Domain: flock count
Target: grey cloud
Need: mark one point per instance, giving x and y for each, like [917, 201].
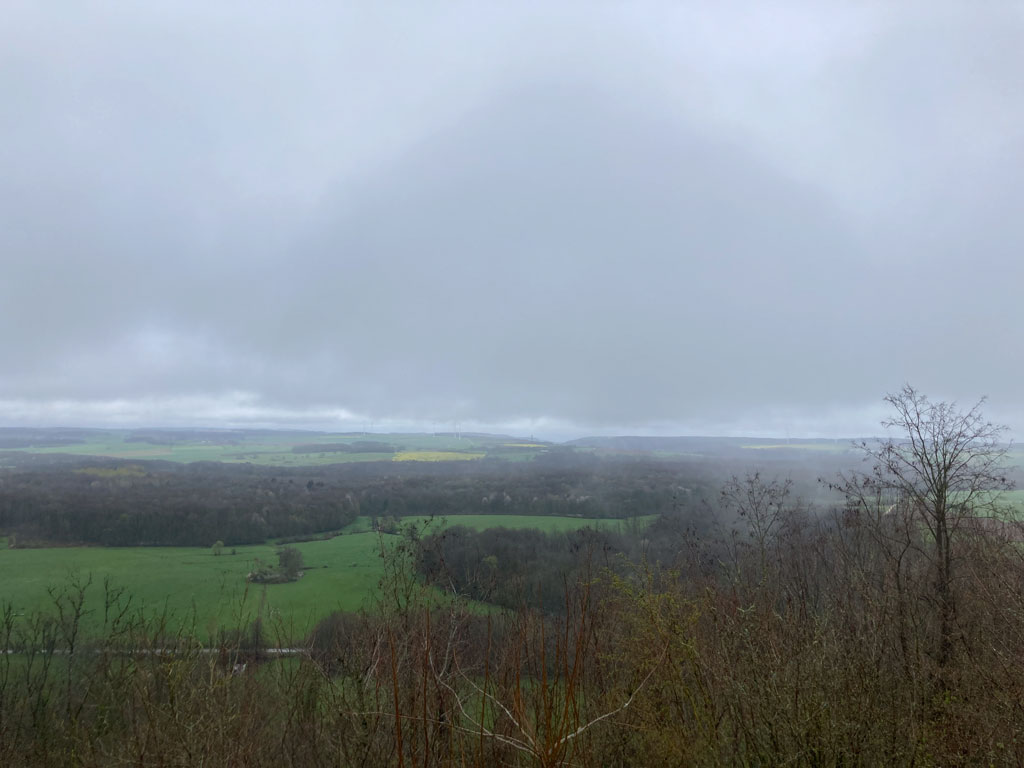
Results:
[502, 218]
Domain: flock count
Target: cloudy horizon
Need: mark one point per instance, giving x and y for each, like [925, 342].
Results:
[551, 219]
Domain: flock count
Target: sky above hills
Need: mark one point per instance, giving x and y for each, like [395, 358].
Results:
[553, 218]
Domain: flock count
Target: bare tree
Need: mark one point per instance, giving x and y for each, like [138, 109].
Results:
[761, 504]
[931, 486]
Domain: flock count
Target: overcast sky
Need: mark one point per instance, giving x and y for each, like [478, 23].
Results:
[554, 218]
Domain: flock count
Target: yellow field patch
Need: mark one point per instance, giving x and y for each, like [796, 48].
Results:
[435, 456]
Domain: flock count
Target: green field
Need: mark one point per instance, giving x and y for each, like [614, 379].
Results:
[275, 449]
[208, 592]
[1013, 501]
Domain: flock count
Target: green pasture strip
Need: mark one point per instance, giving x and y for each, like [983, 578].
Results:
[1013, 501]
[196, 588]
[192, 585]
[276, 450]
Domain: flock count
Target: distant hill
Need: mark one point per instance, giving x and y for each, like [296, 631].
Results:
[705, 445]
[22, 437]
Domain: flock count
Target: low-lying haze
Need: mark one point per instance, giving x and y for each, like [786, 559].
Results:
[551, 218]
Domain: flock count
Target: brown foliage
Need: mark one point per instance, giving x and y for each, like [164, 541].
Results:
[810, 641]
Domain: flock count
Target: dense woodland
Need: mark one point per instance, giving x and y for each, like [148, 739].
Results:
[513, 568]
[813, 646]
[160, 503]
[99, 502]
[743, 627]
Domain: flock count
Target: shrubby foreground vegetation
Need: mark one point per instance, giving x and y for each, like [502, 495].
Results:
[889, 631]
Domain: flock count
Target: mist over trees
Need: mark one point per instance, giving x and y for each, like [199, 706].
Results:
[378, 383]
[744, 625]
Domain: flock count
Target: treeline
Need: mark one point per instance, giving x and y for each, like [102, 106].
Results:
[562, 481]
[161, 503]
[515, 568]
[811, 645]
[512, 568]
[186, 436]
[887, 632]
[166, 504]
[22, 437]
[358, 446]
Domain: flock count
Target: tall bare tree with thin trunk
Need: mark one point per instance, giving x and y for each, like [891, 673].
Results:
[938, 481]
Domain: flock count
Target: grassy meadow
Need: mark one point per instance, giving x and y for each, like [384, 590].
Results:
[276, 448]
[200, 591]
